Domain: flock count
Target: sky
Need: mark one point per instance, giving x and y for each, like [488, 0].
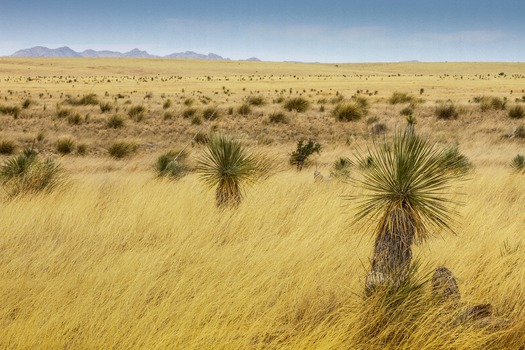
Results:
[275, 30]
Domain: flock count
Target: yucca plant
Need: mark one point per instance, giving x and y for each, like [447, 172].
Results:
[26, 173]
[407, 191]
[228, 167]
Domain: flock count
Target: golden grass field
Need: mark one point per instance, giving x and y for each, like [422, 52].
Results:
[119, 259]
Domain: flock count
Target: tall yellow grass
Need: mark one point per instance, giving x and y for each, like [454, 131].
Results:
[126, 261]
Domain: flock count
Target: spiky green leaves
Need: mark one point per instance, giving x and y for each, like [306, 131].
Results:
[413, 179]
[229, 167]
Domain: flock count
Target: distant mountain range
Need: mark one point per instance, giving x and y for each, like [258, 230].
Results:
[66, 52]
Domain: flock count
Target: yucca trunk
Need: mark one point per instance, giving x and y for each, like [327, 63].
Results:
[392, 254]
[228, 194]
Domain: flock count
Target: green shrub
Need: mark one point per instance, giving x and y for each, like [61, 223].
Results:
[172, 165]
[26, 174]
[400, 97]
[7, 147]
[245, 109]
[189, 102]
[168, 115]
[90, 99]
[341, 168]
[517, 112]
[519, 132]
[518, 163]
[446, 111]
[278, 117]
[10, 110]
[303, 151]
[74, 119]
[201, 138]
[115, 122]
[490, 102]
[63, 113]
[137, 113]
[189, 112]
[407, 111]
[297, 104]
[65, 145]
[82, 149]
[348, 111]
[196, 120]
[455, 161]
[105, 107]
[26, 103]
[121, 149]
[256, 100]
[166, 104]
[211, 113]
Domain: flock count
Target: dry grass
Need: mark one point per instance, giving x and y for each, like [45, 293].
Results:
[120, 259]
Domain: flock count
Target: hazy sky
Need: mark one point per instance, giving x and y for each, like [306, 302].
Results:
[275, 30]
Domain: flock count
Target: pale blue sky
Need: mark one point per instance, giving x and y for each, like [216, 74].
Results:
[308, 30]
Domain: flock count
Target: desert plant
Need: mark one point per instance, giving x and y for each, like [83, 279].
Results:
[516, 112]
[278, 117]
[63, 113]
[303, 151]
[400, 97]
[407, 190]
[519, 132]
[245, 109]
[189, 113]
[115, 122]
[297, 104]
[518, 163]
[409, 110]
[341, 168]
[348, 111]
[256, 100]
[172, 165]
[211, 113]
[121, 149]
[228, 167]
[26, 174]
[166, 104]
[7, 147]
[65, 145]
[105, 107]
[26, 103]
[74, 119]
[455, 161]
[189, 101]
[447, 110]
[82, 149]
[89, 99]
[137, 113]
[10, 110]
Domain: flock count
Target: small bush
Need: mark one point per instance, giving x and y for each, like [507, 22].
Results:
[201, 138]
[90, 99]
[297, 104]
[170, 166]
[189, 102]
[189, 112]
[517, 112]
[105, 107]
[447, 111]
[278, 117]
[7, 147]
[166, 104]
[400, 97]
[519, 132]
[245, 109]
[407, 111]
[63, 113]
[115, 122]
[341, 168]
[74, 119]
[518, 163]
[256, 100]
[26, 174]
[26, 103]
[121, 149]
[137, 113]
[303, 151]
[211, 113]
[196, 120]
[10, 110]
[489, 102]
[65, 145]
[168, 115]
[348, 111]
[82, 149]
[455, 161]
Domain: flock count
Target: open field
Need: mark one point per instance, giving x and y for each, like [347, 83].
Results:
[117, 258]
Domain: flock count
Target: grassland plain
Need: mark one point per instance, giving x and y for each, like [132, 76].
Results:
[119, 259]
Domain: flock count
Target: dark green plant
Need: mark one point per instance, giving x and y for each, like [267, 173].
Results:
[303, 151]
[297, 104]
[115, 122]
[65, 145]
[518, 163]
[407, 192]
[516, 112]
[90, 99]
[348, 111]
[105, 107]
[341, 168]
[121, 149]
[27, 174]
[256, 100]
[400, 97]
[245, 109]
[7, 147]
[26, 103]
[172, 164]
[278, 117]
[82, 149]
[228, 167]
[455, 161]
[447, 111]
[189, 113]
[211, 113]
[13, 111]
[137, 113]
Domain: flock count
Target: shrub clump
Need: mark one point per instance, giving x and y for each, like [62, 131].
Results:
[65, 145]
[518, 163]
[256, 100]
[341, 168]
[490, 102]
[7, 147]
[105, 107]
[278, 117]
[172, 165]
[10, 110]
[189, 113]
[447, 111]
[297, 104]
[245, 109]
[115, 122]
[90, 99]
[456, 162]
[137, 113]
[27, 174]
[211, 113]
[349, 111]
[303, 151]
[400, 97]
[517, 112]
[121, 149]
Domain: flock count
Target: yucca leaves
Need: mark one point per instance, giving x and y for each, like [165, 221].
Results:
[227, 166]
[412, 175]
